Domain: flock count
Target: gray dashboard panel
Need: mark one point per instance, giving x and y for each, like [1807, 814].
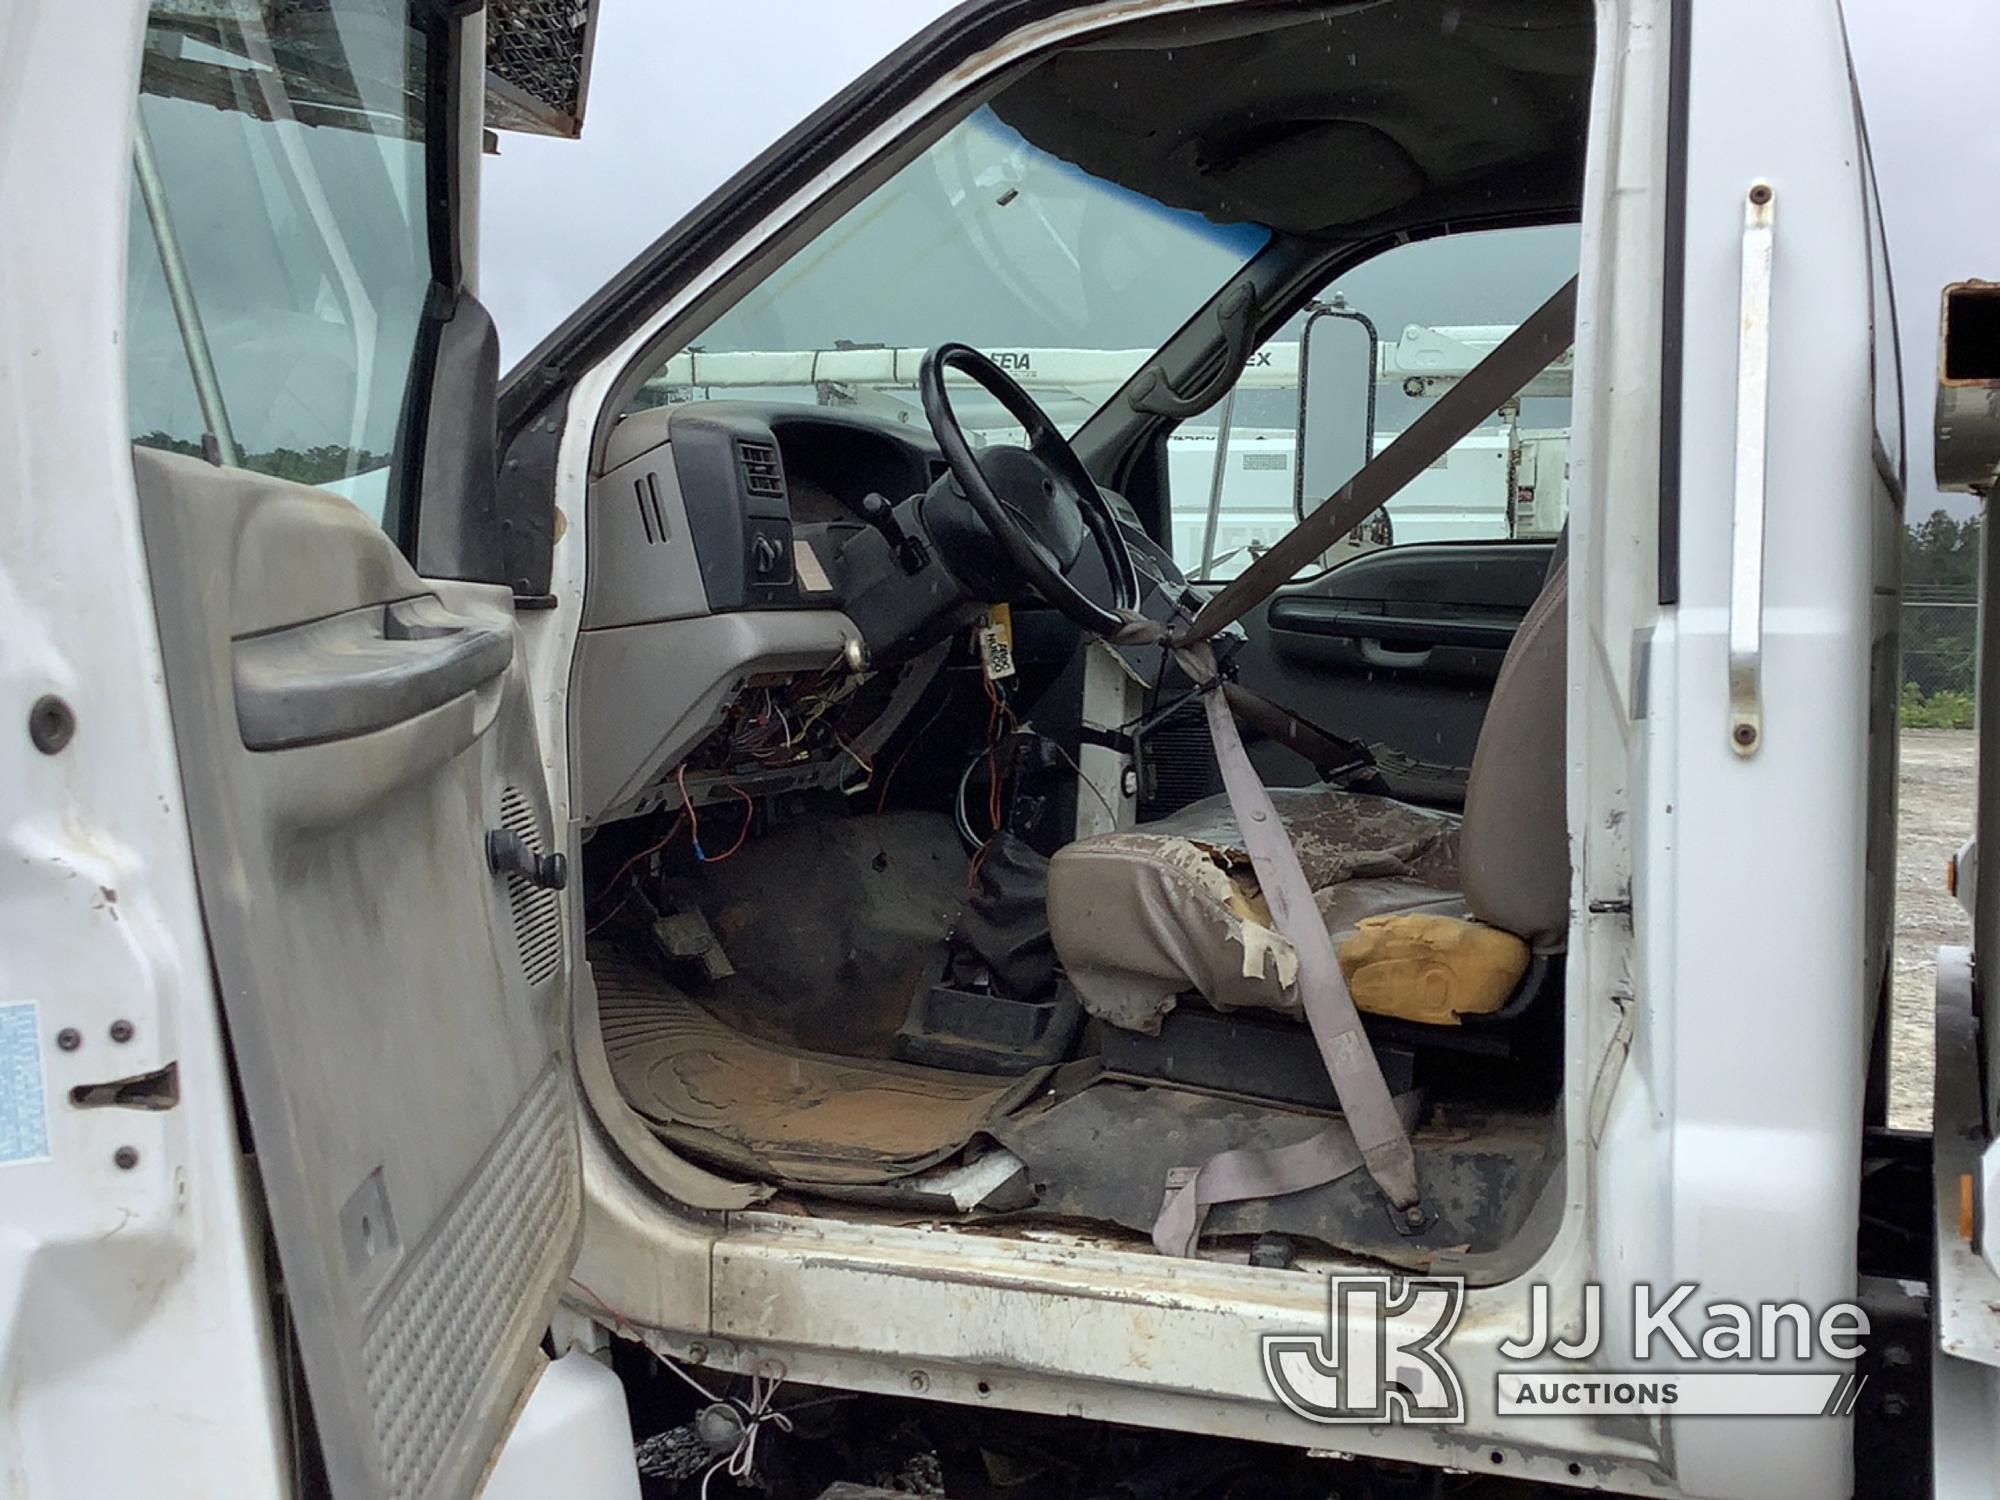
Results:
[644, 695]
[642, 558]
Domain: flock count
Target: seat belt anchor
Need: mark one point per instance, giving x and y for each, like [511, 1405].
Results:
[1411, 1220]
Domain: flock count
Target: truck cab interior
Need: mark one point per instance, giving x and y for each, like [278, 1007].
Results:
[909, 887]
[1006, 685]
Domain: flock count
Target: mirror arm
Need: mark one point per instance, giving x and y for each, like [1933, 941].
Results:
[1217, 471]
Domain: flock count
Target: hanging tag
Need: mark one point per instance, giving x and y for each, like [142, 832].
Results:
[996, 641]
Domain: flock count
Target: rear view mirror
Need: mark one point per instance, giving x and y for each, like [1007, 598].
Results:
[1338, 355]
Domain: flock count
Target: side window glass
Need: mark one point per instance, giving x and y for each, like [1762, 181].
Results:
[279, 244]
[1379, 345]
[1885, 344]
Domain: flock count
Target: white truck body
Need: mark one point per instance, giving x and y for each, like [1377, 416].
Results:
[1722, 984]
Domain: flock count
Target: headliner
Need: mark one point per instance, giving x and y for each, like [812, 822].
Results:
[1333, 121]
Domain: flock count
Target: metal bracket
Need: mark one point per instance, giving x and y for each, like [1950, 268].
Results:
[1746, 552]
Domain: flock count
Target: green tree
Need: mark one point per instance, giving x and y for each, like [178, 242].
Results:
[1940, 624]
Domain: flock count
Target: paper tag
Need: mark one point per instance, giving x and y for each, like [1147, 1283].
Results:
[812, 577]
[996, 641]
[24, 1110]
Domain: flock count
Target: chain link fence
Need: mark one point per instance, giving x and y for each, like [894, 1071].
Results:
[1940, 656]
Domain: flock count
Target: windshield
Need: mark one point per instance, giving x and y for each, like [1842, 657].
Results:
[1068, 281]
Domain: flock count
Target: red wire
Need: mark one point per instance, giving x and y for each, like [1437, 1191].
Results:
[749, 815]
[646, 853]
[996, 703]
[972, 870]
[882, 796]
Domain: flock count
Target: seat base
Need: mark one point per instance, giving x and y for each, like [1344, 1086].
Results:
[1144, 916]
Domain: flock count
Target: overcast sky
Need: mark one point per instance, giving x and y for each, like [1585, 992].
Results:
[683, 95]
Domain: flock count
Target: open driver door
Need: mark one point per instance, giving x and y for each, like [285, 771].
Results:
[313, 397]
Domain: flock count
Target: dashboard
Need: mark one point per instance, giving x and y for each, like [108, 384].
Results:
[726, 505]
[743, 582]
[726, 549]
[833, 460]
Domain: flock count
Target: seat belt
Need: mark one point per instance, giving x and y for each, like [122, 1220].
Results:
[1374, 1129]
[1372, 1132]
[1344, 762]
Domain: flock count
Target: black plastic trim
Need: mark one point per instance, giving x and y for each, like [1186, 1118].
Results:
[1673, 300]
[457, 527]
[1305, 615]
[448, 351]
[734, 525]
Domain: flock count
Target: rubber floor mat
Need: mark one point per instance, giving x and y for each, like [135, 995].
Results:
[1105, 1154]
[777, 1112]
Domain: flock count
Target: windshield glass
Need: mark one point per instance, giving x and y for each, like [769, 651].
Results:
[280, 250]
[1068, 281]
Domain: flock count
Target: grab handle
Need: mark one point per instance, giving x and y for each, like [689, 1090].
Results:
[1746, 552]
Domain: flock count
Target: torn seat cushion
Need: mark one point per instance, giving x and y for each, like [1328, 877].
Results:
[1142, 917]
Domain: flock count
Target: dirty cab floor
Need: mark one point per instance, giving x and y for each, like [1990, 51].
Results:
[779, 1072]
[780, 1113]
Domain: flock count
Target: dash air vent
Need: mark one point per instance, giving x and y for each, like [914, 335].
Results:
[652, 515]
[761, 472]
[537, 910]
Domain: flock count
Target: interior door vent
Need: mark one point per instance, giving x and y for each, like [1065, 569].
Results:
[537, 909]
[761, 472]
[652, 515]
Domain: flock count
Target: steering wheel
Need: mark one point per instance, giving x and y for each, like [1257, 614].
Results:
[1039, 502]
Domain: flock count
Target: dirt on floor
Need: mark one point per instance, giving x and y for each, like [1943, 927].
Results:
[1934, 817]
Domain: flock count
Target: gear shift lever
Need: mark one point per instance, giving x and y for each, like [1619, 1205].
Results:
[910, 551]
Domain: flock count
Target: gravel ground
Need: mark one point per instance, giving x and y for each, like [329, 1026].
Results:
[1934, 817]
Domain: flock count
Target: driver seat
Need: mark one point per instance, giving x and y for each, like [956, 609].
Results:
[1147, 915]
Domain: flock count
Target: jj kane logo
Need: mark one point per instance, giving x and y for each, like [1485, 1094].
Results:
[1384, 1357]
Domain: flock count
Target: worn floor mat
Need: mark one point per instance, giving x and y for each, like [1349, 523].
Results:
[1105, 1153]
[884, 891]
[776, 1112]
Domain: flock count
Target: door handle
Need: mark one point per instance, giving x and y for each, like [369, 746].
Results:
[361, 671]
[1378, 655]
[1403, 634]
[1753, 400]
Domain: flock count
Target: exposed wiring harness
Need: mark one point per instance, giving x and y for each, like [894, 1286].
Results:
[694, 818]
[688, 818]
[755, 1413]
